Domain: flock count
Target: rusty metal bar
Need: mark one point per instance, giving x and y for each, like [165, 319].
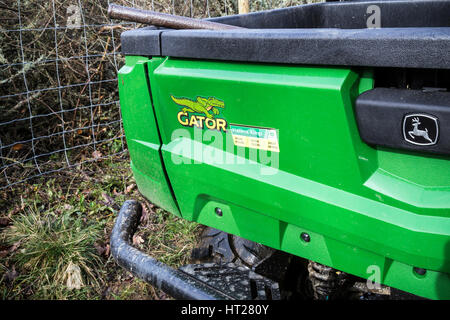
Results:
[163, 19]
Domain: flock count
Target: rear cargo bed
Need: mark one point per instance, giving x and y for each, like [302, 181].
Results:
[412, 35]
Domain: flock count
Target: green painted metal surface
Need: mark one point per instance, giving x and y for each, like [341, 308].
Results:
[374, 213]
[143, 140]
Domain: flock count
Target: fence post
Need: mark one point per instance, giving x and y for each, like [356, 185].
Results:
[243, 6]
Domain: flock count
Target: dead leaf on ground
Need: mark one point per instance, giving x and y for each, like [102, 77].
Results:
[130, 188]
[145, 213]
[137, 240]
[4, 221]
[18, 147]
[11, 275]
[13, 248]
[17, 209]
[100, 248]
[73, 276]
[97, 154]
[109, 200]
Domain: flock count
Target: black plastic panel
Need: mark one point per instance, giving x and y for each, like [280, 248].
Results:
[348, 15]
[405, 119]
[413, 34]
[407, 47]
[141, 42]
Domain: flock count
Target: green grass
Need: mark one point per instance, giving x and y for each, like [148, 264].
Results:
[57, 252]
[56, 242]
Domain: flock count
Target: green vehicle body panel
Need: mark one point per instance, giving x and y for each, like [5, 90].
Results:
[372, 212]
[143, 140]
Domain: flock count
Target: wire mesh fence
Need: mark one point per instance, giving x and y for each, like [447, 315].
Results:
[59, 59]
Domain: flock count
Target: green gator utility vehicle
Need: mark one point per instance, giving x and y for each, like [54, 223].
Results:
[314, 144]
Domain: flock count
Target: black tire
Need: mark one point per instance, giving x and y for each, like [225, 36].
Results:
[289, 271]
[220, 247]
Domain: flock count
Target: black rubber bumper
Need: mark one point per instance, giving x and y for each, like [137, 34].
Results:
[173, 282]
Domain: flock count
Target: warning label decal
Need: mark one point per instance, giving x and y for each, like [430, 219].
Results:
[255, 137]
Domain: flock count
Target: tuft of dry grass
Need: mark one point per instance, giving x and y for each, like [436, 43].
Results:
[54, 236]
[55, 253]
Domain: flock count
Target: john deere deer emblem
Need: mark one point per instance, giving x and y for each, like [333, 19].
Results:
[420, 129]
[201, 112]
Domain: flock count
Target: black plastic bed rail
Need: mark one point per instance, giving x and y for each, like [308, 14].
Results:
[408, 34]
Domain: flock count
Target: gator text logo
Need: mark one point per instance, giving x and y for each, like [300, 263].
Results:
[201, 113]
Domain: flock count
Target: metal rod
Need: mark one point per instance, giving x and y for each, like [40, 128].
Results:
[163, 19]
